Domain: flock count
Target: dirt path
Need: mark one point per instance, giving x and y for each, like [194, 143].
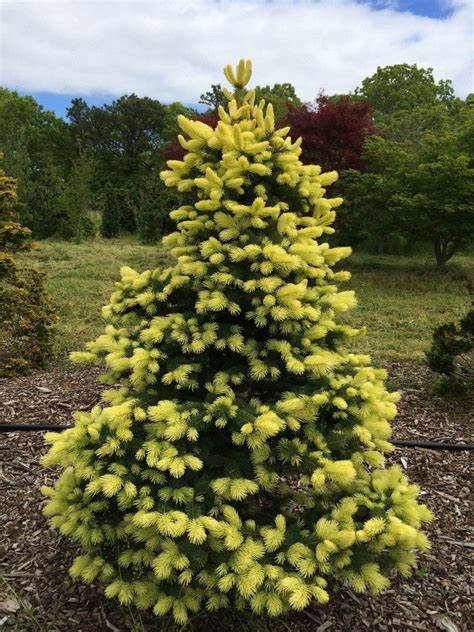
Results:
[34, 559]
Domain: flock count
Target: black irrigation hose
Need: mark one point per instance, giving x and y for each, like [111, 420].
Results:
[30, 427]
[428, 445]
[432, 445]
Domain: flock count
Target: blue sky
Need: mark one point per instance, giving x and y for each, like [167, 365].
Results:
[59, 103]
[175, 50]
[438, 9]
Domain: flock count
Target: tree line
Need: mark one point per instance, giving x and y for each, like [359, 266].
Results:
[402, 142]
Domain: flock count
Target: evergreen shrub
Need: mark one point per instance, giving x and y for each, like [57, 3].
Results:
[27, 316]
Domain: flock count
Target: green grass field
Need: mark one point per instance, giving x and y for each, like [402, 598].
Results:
[401, 299]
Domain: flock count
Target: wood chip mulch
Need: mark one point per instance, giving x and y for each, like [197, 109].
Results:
[36, 592]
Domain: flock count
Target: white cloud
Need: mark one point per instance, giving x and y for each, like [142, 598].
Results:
[175, 49]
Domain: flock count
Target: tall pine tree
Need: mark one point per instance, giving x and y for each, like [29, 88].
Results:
[241, 461]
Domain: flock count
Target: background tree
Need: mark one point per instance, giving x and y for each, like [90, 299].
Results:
[44, 201]
[18, 116]
[404, 196]
[415, 189]
[80, 194]
[439, 196]
[370, 218]
[406, 101]
[125, 139]
[32, 139]
[333, 131]
[170, 126]
[121, 134]
[281, 96]
[26, 127]
[213, 98]
[111, 212]
[156, 203]
[403, 87]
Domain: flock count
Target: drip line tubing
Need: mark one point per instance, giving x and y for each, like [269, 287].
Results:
[406, 443]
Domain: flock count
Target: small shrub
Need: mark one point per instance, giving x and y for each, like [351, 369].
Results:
[26, 314]
[27, 322]
[452, 356]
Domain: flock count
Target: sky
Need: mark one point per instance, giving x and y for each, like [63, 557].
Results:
[173, 50]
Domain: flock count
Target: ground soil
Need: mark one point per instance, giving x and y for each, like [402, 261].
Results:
[37, 593]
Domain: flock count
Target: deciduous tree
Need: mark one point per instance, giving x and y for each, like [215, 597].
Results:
[333, 131]
[439, 194]
[403, 87]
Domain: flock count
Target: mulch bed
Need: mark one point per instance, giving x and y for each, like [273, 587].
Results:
[37, 593]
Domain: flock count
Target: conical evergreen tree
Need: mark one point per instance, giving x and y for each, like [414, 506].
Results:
[27, 316]
[110, 225]
[156, 202]
[241, 462]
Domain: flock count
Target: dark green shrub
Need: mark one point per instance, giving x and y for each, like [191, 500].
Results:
[26, 323]
[27, 316]
[452, 356]
[127, 204]
[118, 211]
[156, 203]
[110, 226]
[45, 203]
[87, 227]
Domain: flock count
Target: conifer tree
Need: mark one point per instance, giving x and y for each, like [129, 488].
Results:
[26, 314]
[110, 226]
[241, 461]
[156, 202]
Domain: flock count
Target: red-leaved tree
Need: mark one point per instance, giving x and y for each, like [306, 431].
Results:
[333, 131]
[174, 151]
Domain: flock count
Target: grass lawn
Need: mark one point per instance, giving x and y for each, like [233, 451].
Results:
[401, 299]
[81, 279]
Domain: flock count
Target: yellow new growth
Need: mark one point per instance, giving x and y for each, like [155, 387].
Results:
[241, 76]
